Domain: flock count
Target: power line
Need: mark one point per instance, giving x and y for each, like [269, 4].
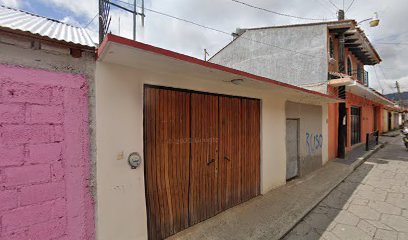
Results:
[221, 31]
[378, 80]
[388, 43]
[385, 78]
[351, 4]
[323, 5]
[333, 4]
[277, 13]
[89, 23]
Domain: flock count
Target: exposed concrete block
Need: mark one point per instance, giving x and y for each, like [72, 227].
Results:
[55, 49]
[25, 93]
[44, 114]
[27, 174]
[41, 193]
[48, 230]
[18, 134]
[11, 156]
[12, 113]
[45, 153]
[33, 214]
[8, 199]
[20, 42]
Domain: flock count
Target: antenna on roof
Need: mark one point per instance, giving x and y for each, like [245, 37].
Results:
[205, 54]
[142, 14]
[134, 19]
[104, 19]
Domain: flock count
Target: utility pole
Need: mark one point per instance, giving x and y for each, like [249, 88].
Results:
[143, 15]
[342, 120]
[104, 17]
[399, 92]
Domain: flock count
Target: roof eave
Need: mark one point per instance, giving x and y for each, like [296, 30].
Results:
[48, 39]
[110, 38]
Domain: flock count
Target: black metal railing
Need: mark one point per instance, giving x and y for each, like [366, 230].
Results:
[371, 140]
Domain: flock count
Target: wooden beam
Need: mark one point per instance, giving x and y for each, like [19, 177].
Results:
[351, 40]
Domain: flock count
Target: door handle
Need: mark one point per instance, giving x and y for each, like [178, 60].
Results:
[210, 161]
[226, 158]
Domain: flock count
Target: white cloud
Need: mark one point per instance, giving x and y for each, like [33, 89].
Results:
[71, 21]
[227, 15]
[79, 8]
[11, 3]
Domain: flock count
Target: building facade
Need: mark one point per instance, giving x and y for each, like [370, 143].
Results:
[327, 57]
[209, 138]
[46, 93]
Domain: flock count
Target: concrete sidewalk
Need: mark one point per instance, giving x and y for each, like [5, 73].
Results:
[393, 133]
[272, 215]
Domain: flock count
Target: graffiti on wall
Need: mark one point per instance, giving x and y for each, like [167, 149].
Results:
[314, 142]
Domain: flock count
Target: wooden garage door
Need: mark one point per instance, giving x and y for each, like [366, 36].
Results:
[167, 160]
[239, 165]
[202, 156]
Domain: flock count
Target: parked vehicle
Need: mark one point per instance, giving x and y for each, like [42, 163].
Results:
[404, 132]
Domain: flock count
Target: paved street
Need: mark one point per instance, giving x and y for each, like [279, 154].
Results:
[372, 203]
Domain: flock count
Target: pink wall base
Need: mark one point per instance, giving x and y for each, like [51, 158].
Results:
[44, 156]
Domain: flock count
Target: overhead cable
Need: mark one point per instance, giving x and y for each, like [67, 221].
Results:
[277, 13]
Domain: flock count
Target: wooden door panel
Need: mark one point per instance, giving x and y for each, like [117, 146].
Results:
[230, 157]
[167, 154]
[250, 148]
[239, 167]
[204, 157]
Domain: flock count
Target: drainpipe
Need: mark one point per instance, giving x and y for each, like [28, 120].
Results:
[342, 128]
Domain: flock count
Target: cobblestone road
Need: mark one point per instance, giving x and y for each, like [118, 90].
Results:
[372, 203]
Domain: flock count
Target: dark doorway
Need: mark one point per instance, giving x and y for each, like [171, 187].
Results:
[355, 125]
[375, 128]
[389, 121]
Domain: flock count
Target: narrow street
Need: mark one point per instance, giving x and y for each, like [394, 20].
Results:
[372, 203]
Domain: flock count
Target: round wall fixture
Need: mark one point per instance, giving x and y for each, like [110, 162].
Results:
[237, 81]
[134, 160]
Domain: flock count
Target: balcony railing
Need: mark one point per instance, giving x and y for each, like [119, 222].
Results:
[362, 77]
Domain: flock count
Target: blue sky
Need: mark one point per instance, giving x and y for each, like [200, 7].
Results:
[227, 16]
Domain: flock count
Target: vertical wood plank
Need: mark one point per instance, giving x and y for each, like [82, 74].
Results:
[203, 187]
[166, 160]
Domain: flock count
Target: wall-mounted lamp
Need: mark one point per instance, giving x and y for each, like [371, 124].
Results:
[374, 21]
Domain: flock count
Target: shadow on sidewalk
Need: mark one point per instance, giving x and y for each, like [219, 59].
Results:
[322, 216]
[350, 199]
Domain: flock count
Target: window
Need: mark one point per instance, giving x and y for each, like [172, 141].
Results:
[331, 47]
[360, 73]
[349, 67]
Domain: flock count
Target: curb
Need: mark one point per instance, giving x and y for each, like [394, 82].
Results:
[366, 156]
[351, 169]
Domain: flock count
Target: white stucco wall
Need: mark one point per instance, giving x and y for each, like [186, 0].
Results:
[121, 208]
[385, 121]
[296, 55]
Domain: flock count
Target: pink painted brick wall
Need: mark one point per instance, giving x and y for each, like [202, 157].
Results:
[44, 156]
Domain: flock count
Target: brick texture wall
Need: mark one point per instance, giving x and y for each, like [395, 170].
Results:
[44, 156]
